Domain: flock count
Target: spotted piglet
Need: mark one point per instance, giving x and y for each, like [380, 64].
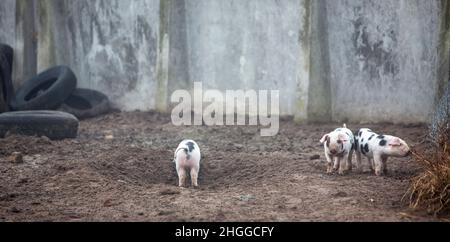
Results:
[338, 145]
[377, 149]
[187, 159]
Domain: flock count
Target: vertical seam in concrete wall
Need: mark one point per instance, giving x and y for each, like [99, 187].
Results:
[46, 47]
[178, 77]
[26, 63]
[444, 50]
[163, 56]
[301, 103]
[319, 91]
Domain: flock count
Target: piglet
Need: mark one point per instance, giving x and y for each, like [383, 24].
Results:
[187, 159]
[377, 149]
[338, 145]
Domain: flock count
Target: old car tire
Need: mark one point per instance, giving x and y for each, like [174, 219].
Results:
[86, 103]
[6, 62]
[48, 90]
[53, 124]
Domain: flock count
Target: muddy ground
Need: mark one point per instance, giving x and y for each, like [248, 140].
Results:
[120, 169]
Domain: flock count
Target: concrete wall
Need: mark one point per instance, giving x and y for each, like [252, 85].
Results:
[110, 44]
[7, 35]
[384, 59]
[7, 21]
[346, 60]
[245, 45]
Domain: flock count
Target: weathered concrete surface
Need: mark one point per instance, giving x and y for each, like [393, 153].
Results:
[7, 22]
[112, 46]
[7, 35]
[17, 30]
[162, 75]
[178, 74]
[303, 64]
[368, 61]
[384, 59]
[319, 93]
[250, 44]
[444, 48]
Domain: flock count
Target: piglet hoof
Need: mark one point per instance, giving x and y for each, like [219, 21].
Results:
[378, 173]
[344, 172]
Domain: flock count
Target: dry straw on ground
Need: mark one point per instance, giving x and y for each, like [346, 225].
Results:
[431, 188]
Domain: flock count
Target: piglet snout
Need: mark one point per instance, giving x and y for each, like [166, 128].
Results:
[406, 149]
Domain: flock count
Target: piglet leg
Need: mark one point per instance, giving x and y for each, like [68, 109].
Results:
[371, 164]
[337, 163]
[349, 161]
[181, 177]
[384, 162]
[194, 176]
[378, 162]
[329, 163]
[343, 168]
[358, 161]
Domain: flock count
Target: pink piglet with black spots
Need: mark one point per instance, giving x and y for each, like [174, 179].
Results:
[377, 148]
[187, 162]
[338, 146]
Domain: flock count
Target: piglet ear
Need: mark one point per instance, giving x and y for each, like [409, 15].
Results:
[395, 142]
[323, 138]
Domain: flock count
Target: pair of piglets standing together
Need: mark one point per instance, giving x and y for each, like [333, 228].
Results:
[340, 144]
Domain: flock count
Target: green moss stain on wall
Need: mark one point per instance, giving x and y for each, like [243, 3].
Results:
[304, 36]
[304, 39]
[444, 49]
[163, 56]
[46, 56]
[25, 60]
[319, 90]
[162, 77]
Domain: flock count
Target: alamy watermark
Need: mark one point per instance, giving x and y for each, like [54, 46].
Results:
[221, 109]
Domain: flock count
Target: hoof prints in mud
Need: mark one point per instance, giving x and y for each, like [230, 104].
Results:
[131, 176]
[138, 166]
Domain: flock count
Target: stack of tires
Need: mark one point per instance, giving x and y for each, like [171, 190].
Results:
[34, 102]
[6, 88]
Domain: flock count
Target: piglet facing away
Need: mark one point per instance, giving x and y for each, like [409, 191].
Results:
[187, 159]
[377, 149]
[338, 145]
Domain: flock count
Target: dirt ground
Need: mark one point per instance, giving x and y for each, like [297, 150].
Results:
[120, 169]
